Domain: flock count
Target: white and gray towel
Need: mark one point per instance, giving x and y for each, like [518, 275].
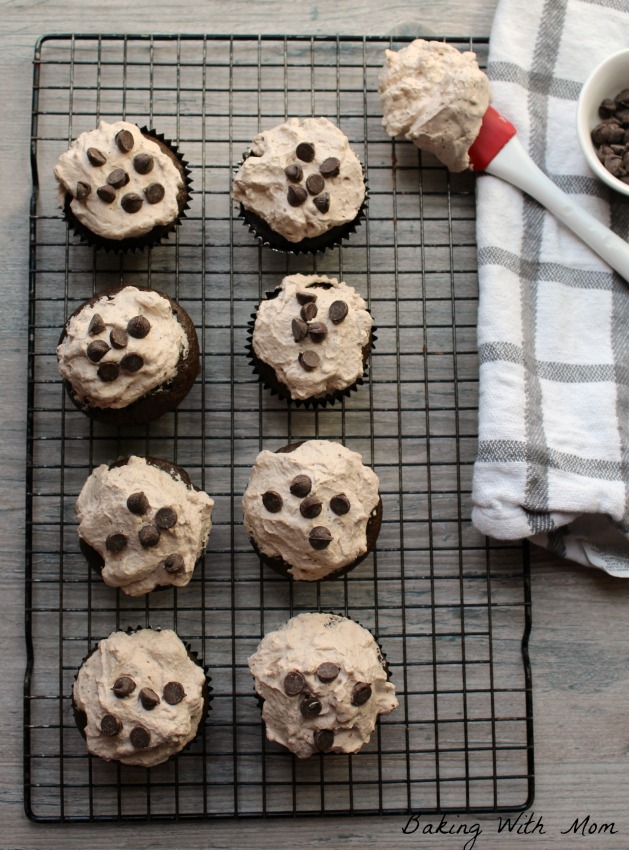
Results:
[553, 325]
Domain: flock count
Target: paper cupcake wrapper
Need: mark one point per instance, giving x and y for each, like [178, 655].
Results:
[135, 243]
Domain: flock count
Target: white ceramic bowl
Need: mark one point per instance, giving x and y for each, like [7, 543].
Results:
[606, 80]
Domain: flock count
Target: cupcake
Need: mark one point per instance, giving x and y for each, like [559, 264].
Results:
[310, 340]
[324, 682]
[142, 524]
[139, 697]
[122, 187]
[435, 96]
[300, 186]
[128, 355]
[312, 510]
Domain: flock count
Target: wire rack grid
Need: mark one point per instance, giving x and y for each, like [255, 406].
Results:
[450, 608]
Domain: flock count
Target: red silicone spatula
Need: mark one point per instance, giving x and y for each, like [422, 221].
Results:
[497, 151]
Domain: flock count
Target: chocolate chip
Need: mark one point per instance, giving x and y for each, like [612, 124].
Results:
[106, 194]
[322, 202]
[309, 360]
[310, 507]
[140, 737]
[131, 202]
[119, 338]
[96, 326]
[138, 327]
[622, 98]
[173, 693]
[166, 518]
[132, 362]
[296, 195]
[299, 329]
[272, 501]
[361, 693]
[300, 486]
[315, 184]
[337, 311]
[613, 164]
[319, 537]
[108, 372]
[123, 686]
[330, 167]
[125, 140]
[149, 698]
[154, 193]
[137, 503]
[324, 740]
[309, 311]
[305, 151]
[607, 108]
[110, 726]
[149, 536]
[143, 163]
[116, 542]
[97, 350]
[294, 683]
[340, 504]
[306, 297]
[310, 706]
[83, 190]
[95, 157]
[173, 563]
[317, 331]
[118, 178]
[328, 671]
[294, 172]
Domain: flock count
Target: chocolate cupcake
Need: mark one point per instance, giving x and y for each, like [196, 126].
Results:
[324, 682]
[143, 524]
[123, 187]
[300, 187]
[310, 340]
[312, 509]
[140, 697]
[128, 355]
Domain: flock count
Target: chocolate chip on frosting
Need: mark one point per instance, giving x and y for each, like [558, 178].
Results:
[173, 693]
[322, 202]
[174, 563]
[310, 507]
[300, 486]
[166, 518]
[118, 178]
[125, 140]
[119, 338]
[96, 350]
[315, 184]
[320, 537]
[96, 325]
[137, 503]
[361, 693]
[116, 542]
[108, 372]
[110, 726]
[296, 195]
[310, 706]
[294, 683]
[309, 360]
[324, 740]
[337, 311]
[330, 167]
[154, 193]
[95, 157]
[143, 163]
[328, 671]
[140, 737]
[306, 297]
[138, 327]
[340, 504]
[294, 172]
[106, 194]
[83, 190]
[123, 686]
[131, 202]
[272, 501]
[309, 311]
[149, 536]
[132, 362]
[317, 331]
[299, 329]
[305, 151]
[149, 698]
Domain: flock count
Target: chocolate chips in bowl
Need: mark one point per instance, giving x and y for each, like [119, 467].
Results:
[611, 136]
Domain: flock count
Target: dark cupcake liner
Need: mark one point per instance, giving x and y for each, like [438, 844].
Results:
[282, 567]
[272, 383]
[332, 238]
[96, 561]
[163, 398]
[159, 232]
[80, 718]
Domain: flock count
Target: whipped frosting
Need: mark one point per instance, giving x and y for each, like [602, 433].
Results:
[333, 471]
[261, 184]
[104, 513]
[339, 355]
[143, 661]
[309, 707]
[160, 350]
[436, 96]
[111, 220]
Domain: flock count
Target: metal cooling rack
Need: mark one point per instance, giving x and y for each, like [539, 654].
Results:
[451, 608]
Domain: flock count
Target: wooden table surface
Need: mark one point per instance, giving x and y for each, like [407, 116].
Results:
[580, 640]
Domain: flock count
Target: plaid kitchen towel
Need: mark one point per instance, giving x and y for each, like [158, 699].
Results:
[553, 324]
